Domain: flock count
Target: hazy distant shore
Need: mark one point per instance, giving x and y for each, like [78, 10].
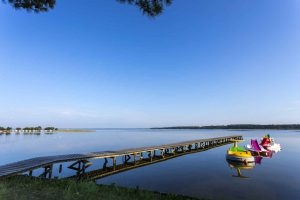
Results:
[8, 131]
[75, 130]
[240, 127]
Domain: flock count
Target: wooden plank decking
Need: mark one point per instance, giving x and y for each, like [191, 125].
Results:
[39, 162]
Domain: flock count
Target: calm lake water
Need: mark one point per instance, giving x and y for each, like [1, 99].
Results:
[205, 174]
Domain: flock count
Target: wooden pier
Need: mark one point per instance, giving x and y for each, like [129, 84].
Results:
[130, 159]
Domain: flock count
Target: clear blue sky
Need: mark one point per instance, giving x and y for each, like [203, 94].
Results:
[104, 64]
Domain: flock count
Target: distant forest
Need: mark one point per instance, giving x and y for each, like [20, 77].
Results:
[240, 126]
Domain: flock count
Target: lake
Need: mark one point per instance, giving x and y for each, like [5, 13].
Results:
[205, 174]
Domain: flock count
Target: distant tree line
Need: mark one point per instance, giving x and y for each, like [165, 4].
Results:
[51, 129]
[240, 126]
[5, 129]
[37, 128]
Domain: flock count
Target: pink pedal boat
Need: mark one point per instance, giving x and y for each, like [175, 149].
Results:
[258, 150]
[268, 143]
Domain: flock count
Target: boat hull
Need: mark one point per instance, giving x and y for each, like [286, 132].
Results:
[275, 147]
[236, 158]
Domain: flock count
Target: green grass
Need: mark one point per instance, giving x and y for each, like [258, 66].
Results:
[25, 188]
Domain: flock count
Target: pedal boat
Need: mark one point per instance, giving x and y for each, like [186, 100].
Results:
[269, 144]
[257, 150]
[273, 146]
[239, 154]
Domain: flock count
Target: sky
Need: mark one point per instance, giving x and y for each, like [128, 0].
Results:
[105, 64]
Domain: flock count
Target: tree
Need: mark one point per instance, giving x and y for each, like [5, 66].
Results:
[38, 128]
[33, 5]
[149, 7]
[49, 128]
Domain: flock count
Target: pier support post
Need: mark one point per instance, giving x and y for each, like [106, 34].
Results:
[162, 153]
[176, 149]
[202, 145]
[47, 172]
[114, 163]
[126, 158]
[105, 163]
[150, 155]
[166, 151]
[60, 168]
[80, 166]
[172, 151]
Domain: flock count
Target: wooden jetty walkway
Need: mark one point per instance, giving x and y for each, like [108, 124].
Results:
[128, 158]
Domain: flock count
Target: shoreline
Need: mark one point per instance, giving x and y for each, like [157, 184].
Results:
[211, 129]
[238, 127]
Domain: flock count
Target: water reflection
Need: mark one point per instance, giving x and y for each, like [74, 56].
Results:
[239, 166]
[149, 7]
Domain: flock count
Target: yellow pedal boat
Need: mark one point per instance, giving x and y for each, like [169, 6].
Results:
[239, 154]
